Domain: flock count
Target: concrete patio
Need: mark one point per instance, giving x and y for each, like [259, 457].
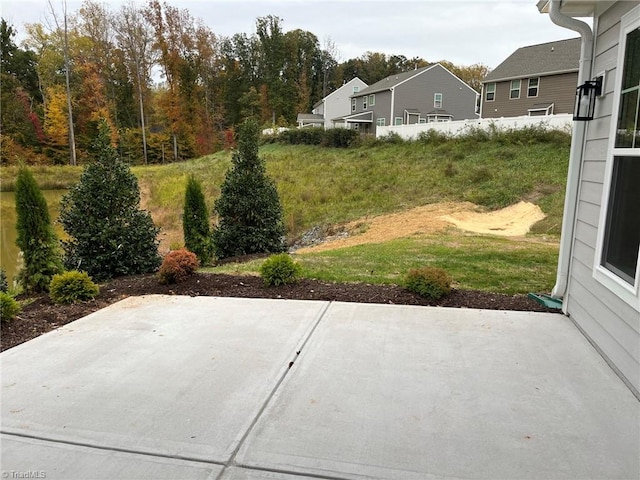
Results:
[220, 388]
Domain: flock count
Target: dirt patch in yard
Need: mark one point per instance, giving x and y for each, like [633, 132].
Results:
[515, 220]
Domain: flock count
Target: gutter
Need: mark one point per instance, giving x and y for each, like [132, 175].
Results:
[575, 156]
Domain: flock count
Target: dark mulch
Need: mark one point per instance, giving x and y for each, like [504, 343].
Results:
[41, 315]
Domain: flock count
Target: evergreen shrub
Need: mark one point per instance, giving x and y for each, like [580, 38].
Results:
[195, 222]
[36, 238]
[280, 269]
[9, 307]
[109, 235]
[428, 282]
[177, 266]
[4, 285]
[72, 287]
[249, 211]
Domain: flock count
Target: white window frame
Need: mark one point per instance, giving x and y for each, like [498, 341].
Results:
[511, 89]
[422, 120]
[354, 105]
[437, 100]
[356, 89]
[621, 288]
[491, 91]
[364, 102]
[372, 100]
[529, 87]
[381, 122]
[398, 121]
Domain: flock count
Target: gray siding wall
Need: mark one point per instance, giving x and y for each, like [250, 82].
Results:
[559, 89]
[612, 324]
[381, 109]
[457, 98]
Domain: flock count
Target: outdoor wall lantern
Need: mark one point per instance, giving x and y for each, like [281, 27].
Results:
[586, 99]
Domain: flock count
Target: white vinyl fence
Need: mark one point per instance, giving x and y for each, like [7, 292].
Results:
[561, 121]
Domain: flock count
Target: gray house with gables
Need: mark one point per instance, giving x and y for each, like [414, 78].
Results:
[428, 94]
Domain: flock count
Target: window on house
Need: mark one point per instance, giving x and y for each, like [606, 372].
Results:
[356, 89]
[364, 102]
[532, 88]
[381, 122]
[490, 92]
[372, 100]
[515, 89]
[622, 230]
[353, 105]
[619, 233]
[437, 100]
[397, 121]
[422, 120]
[356, 127]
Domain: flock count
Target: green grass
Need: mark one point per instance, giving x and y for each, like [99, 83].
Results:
[485, 263]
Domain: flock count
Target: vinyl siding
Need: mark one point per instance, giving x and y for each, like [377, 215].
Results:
[557, 89]
[458, 99]
[609, 322]
[338, 104]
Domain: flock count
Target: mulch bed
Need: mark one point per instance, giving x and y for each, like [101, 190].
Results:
[41, 315]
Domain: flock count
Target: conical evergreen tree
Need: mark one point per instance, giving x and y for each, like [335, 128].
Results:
[195, 222]
[109, 235]
[249, 210]
[36, 238]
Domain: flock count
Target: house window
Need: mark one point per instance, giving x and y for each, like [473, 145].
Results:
[353, 104]
[372, 100]
[356, 127]
[356, 89]
[514, 93]
[619, 232]
[422, 120]
[381, 122]
[397, 121]
[532, 88]
[437, 100]
[490, 95]
[364, 102]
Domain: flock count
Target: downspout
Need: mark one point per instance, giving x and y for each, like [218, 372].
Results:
[575, 156]
[393, 98]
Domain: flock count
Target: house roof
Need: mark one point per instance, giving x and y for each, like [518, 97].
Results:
[538, 60]
[391, 81]
[346, 84]
[310, 117]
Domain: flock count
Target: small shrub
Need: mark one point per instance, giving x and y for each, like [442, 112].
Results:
[72, 287]
[279, 269]
[428, 282]
[9, 307]
[4, 286]
[177, 266]
[339, 138]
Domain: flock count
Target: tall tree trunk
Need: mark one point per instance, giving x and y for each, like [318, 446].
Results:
[142, 121]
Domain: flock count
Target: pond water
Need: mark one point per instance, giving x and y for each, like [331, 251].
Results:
[9, 251]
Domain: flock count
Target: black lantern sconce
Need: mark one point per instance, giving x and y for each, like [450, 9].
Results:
[586, 99]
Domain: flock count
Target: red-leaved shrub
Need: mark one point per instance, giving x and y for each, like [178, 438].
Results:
[177, 266]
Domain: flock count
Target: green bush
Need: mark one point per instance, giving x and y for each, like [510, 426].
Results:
[428, 282]
[9, 307]
[36, 238]
[177, 266]
[249, 211]
[302, 136]
[279, 270]
[72, 287]
[4, 285]
[109, 235]
[339, 137]
[195, 222]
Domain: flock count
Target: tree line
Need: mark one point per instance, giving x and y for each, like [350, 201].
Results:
[167, 85]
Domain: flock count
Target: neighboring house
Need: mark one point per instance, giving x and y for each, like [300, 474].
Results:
[335, 105]
[534, 80]
[598, 268]
[428, 94]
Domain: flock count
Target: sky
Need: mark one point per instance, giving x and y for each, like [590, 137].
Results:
[464, 32]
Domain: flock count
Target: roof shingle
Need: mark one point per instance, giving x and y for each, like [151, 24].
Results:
[538, 60]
